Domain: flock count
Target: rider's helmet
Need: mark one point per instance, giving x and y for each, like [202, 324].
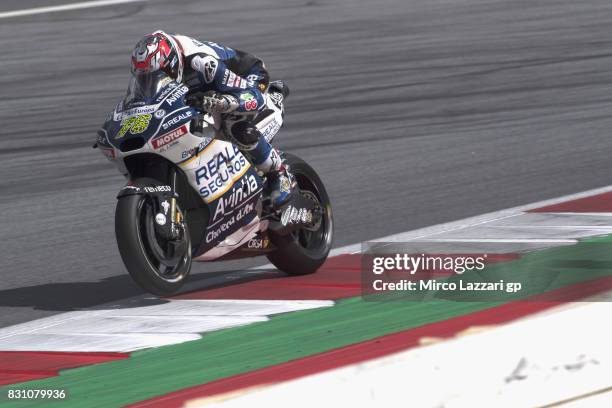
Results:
[157, 52]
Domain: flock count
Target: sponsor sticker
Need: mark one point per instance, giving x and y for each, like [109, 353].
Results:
[135, 112]
[229, 78]
[225, 227]
[258, 243]
[169, 137]
[185, 154]
[232, 80]
[176, 119]
[292, 215]
[165, 81]
[271, 129]
[177, 94]
[250, 103]
[223, 168]
[240, 195]
[157, 189]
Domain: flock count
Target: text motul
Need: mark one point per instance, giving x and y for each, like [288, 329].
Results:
[169, 137]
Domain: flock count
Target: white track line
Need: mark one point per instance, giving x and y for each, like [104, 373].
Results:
[65, 7]
[570, 227]
[133, 328]
[582, 214]
[505, 240]
[474, 221]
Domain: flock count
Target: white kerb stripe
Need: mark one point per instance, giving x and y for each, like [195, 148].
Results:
[65, 7]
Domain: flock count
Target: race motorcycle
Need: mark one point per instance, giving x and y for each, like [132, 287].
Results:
[191, 195]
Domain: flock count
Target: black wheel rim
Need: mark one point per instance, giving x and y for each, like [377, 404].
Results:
[168, 259]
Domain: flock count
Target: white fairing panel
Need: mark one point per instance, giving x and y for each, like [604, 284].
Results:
[178, 144]
[233, 241]
[215, 169]
[270, 126]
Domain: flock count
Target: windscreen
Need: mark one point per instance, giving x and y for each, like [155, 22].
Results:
[144, 87]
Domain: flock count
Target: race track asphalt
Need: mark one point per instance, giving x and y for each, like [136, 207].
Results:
[415, 112]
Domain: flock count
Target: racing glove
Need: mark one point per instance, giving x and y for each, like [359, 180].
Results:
[220, 103]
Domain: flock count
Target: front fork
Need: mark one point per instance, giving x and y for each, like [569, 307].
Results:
[175, 215]
[168, 217]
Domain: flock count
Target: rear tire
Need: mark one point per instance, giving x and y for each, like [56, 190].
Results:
[143, 252]
[303, 252]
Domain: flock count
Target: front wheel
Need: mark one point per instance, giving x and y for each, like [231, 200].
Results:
[158, 265]
[306, 249]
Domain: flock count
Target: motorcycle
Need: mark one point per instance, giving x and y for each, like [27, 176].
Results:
[191, 195]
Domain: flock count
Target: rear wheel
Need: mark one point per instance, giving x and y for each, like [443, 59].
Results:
[158, 264]
[306, 249]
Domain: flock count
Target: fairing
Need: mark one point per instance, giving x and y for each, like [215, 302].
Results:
[155, 114]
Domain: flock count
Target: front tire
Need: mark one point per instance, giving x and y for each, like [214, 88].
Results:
[304, 251]
[147, 256]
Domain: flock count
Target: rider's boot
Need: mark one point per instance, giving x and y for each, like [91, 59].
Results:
[280, 181]
[281, 184]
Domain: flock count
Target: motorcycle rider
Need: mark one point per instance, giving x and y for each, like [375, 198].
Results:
[233, 83]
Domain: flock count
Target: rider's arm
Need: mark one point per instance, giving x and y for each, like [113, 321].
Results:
[247, 98]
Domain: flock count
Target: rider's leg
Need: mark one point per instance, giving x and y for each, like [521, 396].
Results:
[265, 158]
